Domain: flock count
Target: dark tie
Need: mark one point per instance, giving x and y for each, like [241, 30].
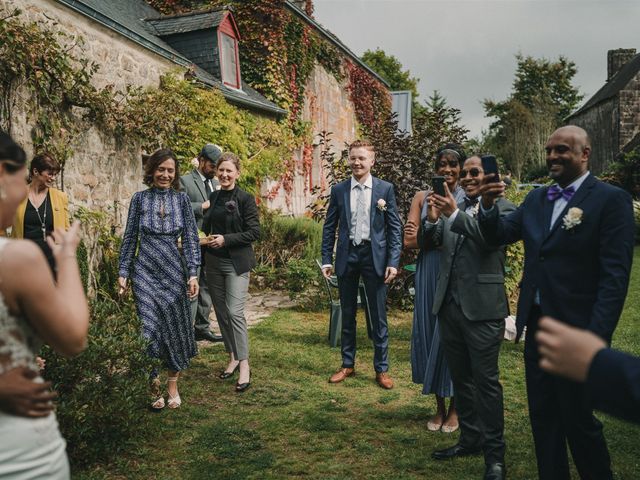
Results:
[470, 202]
[207, 187]
[555, 192]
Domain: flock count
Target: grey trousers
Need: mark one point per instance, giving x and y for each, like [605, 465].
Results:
[471, 350]
[201, 306]
[229, 294]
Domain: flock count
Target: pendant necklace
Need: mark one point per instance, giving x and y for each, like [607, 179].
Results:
[43, 218]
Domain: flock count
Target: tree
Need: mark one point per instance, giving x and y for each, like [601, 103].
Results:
[390, 68]
[542, 97]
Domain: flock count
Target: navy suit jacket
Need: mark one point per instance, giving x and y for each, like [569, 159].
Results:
[582, 273]
[613, 384]
[385, 227]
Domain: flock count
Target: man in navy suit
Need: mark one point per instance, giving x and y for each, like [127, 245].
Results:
[363, 210]
[578, 237]
[612, 378]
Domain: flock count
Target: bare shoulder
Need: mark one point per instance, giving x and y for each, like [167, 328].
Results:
[419, 197]
[21, 261]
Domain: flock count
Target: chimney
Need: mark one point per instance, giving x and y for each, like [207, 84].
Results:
[616, 59]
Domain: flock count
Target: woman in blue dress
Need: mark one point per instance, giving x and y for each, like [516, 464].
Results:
[149, 256]
[428, 366]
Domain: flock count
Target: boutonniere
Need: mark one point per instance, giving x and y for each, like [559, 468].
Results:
[230, 206]
[572, 219]
[475, 209]
[382, 205]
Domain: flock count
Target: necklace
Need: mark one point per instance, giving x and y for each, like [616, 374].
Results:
[43, 218]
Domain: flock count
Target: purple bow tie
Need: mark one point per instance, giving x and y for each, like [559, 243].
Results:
[555, 192]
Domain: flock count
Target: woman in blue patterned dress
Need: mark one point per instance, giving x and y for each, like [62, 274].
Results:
[158, 217]
[428, 365]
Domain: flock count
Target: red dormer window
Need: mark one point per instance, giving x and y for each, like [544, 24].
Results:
[229, 58]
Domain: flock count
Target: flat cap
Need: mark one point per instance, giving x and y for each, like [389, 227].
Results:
[211, 152]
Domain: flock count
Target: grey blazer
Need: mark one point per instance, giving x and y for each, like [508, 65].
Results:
[193, 186]
[479, 266]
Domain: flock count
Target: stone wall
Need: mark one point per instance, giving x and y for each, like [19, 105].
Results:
[601, 122]
[629, 108]
[328, 107]
[100, 174]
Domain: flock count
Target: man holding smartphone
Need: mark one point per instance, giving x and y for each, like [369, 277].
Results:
[471, 304]
[578, 239]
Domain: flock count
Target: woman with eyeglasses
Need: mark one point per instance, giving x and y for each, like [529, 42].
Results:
[45, 208]
[428, 366]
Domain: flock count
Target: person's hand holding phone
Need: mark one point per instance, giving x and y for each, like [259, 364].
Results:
[445, 203]
[492, 187]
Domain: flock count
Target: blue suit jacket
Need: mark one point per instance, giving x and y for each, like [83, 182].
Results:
[614, 384]
[582, 273]
[385, 227]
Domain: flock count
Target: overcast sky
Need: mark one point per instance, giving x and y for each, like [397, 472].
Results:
[466, 48]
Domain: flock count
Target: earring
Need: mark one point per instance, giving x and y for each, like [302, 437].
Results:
[3, 195]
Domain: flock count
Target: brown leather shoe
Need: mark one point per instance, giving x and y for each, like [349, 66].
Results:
[384, 380]
[341, 374]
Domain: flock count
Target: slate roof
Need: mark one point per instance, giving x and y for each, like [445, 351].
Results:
[200, 20]
[127, 17]
[613, 86]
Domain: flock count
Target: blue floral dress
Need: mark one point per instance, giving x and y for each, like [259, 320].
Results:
[428, 366]
[157, 219]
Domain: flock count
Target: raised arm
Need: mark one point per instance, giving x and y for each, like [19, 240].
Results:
[57, 311]
[467, 225]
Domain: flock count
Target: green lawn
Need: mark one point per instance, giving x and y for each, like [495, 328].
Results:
[292, 423]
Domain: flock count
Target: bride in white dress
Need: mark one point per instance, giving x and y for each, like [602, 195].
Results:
[33, 310]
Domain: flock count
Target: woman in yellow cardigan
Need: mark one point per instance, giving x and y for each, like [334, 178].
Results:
[45, 208]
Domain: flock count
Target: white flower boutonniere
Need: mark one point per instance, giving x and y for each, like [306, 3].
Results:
[572, 219]
[382, 205]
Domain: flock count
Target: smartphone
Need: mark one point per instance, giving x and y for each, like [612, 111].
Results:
[438, 185]
[490, 165]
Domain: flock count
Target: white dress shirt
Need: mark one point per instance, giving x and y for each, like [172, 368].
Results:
[368, 189]
[206, 182]
[561, 202]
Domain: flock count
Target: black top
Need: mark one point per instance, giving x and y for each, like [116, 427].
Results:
[33, 226]
[219, 221]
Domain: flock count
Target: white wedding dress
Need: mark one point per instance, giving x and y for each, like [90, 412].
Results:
[30, 448]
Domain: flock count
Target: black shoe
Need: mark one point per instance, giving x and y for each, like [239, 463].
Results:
[456, 451]
[241, 387]
[224, 375]
[209, 336]
[495, 471]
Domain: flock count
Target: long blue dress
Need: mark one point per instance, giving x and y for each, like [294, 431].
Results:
[428, 366]
[157, 219]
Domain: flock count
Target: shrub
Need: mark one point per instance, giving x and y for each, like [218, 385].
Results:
[287, 253]
[103, 390]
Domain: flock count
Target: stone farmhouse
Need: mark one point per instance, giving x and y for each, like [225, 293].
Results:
[134, 44]
[612, 114]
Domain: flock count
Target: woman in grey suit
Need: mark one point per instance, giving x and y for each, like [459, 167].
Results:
[232, 225]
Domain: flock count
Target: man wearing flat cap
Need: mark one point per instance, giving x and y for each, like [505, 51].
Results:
[198, 185]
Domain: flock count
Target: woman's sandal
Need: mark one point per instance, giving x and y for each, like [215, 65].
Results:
[224, 375]
[173, 401]
[157, 404]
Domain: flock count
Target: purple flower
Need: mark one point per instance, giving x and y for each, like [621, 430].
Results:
[230, 206]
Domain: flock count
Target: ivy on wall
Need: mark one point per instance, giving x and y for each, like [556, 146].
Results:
[54, 79]
[62, 103]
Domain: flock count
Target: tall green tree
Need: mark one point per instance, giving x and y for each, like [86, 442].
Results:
[542, 96]
[390, 68]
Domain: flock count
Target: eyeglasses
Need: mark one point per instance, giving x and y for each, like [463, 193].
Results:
[444, 163]
[474, 172]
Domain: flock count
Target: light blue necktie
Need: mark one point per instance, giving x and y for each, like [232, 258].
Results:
[360, 214]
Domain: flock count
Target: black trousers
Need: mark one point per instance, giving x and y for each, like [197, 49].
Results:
[471, 350]
[560, 412]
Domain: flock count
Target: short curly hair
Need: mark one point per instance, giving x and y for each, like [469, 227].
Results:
[153, 162]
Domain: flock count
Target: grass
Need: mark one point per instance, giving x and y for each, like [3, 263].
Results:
[291, 423]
